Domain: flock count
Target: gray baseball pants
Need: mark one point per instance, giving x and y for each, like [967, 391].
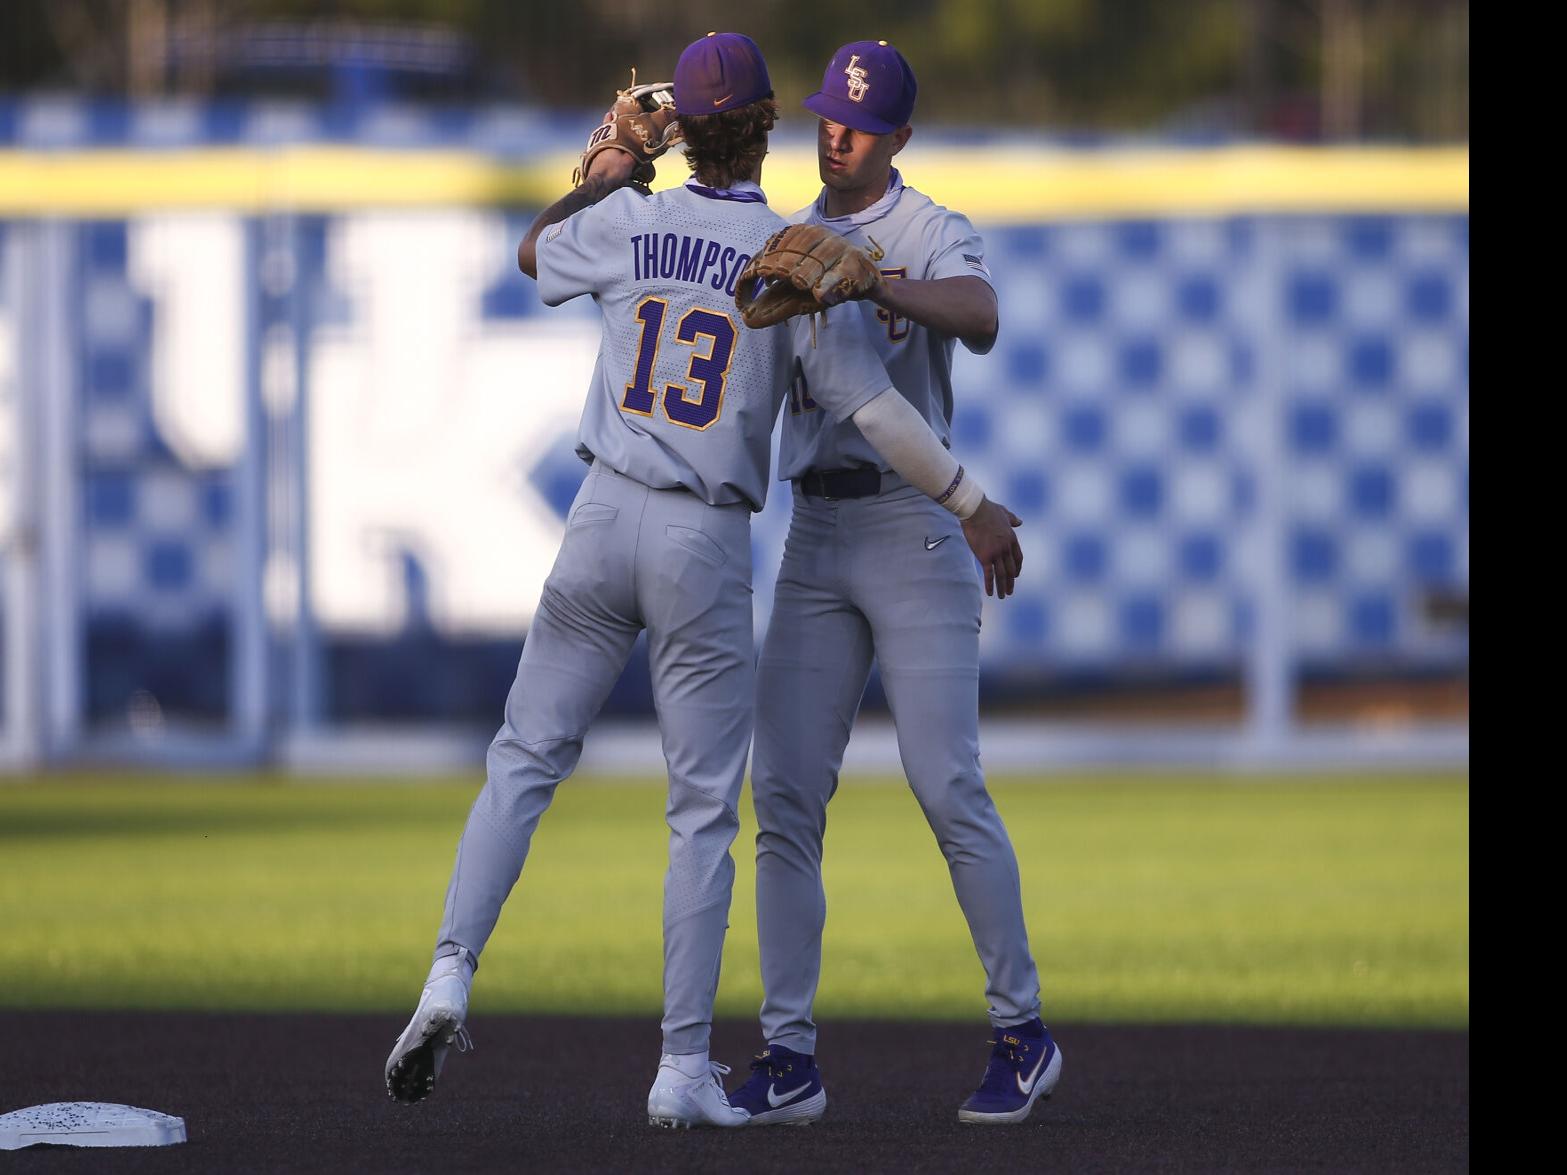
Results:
[632, 557]
[860, 578]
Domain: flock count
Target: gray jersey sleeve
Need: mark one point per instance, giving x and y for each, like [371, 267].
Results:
[955, 249]
[841, 368]
[575, 256]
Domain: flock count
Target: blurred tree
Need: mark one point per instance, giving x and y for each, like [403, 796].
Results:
[1339, 69]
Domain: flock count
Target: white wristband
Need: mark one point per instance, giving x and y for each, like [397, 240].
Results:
[964, 496]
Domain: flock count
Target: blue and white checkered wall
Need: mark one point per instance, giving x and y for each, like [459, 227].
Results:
[1173, 406]
[157, 540]
[1154, 379]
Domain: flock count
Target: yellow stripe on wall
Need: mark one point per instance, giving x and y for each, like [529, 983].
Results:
[1042, 185]
[990, 184]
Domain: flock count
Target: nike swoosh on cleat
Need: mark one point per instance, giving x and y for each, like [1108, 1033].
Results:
[932, 545]
[775, 1101]
[1025, 1089]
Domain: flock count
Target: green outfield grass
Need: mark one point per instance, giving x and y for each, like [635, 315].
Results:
[1332, 901]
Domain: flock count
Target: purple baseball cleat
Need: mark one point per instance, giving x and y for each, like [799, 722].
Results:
[785, 1089]
[1025, 1065]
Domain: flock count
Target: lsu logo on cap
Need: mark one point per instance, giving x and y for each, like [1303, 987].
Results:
[858, 86]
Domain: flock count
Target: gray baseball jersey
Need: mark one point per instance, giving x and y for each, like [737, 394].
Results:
[677, 426]
[889, 578]
[920, 240]
[683, 394]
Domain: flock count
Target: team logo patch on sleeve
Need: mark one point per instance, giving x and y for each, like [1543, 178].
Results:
[976, 263]
[554, 231]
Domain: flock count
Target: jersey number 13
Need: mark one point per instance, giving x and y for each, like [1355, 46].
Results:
[688, 406]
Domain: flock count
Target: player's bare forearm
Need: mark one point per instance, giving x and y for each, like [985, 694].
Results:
[958, 307]
[602, 182]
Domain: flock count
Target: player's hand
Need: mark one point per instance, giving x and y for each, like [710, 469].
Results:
[990, 536]
[873, 292]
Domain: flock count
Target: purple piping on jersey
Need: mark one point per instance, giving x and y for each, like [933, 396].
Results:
[751, 195]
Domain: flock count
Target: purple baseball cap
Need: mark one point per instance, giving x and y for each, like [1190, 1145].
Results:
[868, 86]
[722, 71]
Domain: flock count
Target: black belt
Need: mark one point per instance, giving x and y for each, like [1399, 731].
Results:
[833, 484]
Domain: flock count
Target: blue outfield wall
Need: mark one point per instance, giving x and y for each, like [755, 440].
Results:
[1239, 442]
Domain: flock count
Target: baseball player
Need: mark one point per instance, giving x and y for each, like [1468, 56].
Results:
[677, 428]
[902, 592]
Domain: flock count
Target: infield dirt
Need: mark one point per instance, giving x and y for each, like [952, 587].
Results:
[304, 1093]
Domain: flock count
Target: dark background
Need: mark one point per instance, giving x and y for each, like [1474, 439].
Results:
[1298, 70]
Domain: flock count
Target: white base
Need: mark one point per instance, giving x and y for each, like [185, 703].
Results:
[88, 1124]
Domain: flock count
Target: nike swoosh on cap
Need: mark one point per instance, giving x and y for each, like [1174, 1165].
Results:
[721, 101]
[776, 1101]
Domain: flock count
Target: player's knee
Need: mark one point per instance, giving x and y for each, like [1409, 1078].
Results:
[788, 810]
[518, 763]
[953, 800]
[947, 778]
[695, 809]
[802, 847]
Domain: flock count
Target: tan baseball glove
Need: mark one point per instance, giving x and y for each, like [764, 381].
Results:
[641, 123]
[803, 269]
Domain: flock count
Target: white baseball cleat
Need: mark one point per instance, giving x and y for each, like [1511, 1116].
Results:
[678, 1102]
[436, 1026]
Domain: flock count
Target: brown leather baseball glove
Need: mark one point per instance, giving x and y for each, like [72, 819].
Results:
[641, 123]
[800, 270]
